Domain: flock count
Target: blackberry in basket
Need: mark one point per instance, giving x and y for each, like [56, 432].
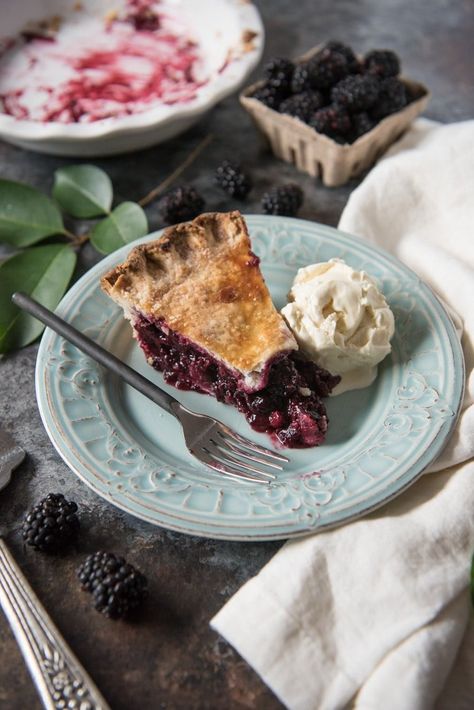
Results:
[270, 96]
[279, 73]
[382, 63]
[361, 123]
[356, 93]
[392, 97]
[303, 105]
[319, 72]
[333, 121]
[353, 64]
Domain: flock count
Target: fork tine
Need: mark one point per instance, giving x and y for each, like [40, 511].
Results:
[206, 458]
[250, 444]
[226, 457]
[246, 454]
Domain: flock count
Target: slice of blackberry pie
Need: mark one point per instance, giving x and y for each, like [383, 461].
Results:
[202, 313]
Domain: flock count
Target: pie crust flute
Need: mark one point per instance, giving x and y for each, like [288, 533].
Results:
[202, 313]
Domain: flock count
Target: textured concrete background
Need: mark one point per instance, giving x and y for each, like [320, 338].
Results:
[170, 658]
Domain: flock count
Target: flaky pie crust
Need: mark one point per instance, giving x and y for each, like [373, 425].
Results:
[203, 280]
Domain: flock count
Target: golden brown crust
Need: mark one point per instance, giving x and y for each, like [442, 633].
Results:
[203, 280]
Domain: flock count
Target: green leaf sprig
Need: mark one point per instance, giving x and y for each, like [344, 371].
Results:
[27, 217]
[85, 192]
[43, 272]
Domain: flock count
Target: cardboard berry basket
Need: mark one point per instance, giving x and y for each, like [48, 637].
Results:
[317, 154]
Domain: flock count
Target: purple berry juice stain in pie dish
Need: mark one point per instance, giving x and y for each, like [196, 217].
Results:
[203, 315]
[100, 77]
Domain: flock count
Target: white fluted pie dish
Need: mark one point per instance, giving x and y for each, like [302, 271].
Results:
[101, 77]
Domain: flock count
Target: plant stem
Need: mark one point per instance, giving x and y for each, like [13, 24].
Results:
[81, 239]
[77, 240]
[176, 173]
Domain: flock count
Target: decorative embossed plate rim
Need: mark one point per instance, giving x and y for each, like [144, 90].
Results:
[380, 439]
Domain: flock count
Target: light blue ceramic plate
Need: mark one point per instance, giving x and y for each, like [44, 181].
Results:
[380, 439]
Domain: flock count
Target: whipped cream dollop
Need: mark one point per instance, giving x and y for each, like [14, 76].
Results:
[341, 321]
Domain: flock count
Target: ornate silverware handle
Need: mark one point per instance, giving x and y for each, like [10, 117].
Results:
[62, 682]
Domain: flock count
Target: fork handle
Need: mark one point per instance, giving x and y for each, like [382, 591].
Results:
[96, 352]
[60, 679]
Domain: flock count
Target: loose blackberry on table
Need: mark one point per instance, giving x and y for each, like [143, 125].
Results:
[285, 200]
[233, 180]
[116, 586]
[51, 525]
[181, 204]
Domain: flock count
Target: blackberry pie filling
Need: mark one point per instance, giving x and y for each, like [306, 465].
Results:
[288, 406]
[202, 313]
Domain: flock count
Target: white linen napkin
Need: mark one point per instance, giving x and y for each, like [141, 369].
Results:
[372, 614]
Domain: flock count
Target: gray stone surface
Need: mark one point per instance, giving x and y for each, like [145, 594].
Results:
[170, 658]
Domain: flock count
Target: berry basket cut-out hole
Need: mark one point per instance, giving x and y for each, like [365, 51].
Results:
[355, 168]
[276, 141]
[302, 163]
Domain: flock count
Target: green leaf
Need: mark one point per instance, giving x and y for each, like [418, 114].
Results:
[126, 223]
[83, 191]
[26, 215]
[42, 272]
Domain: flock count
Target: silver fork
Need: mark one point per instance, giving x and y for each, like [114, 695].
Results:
[210, 441]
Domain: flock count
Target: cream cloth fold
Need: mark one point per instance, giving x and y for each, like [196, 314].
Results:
[373, 614]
